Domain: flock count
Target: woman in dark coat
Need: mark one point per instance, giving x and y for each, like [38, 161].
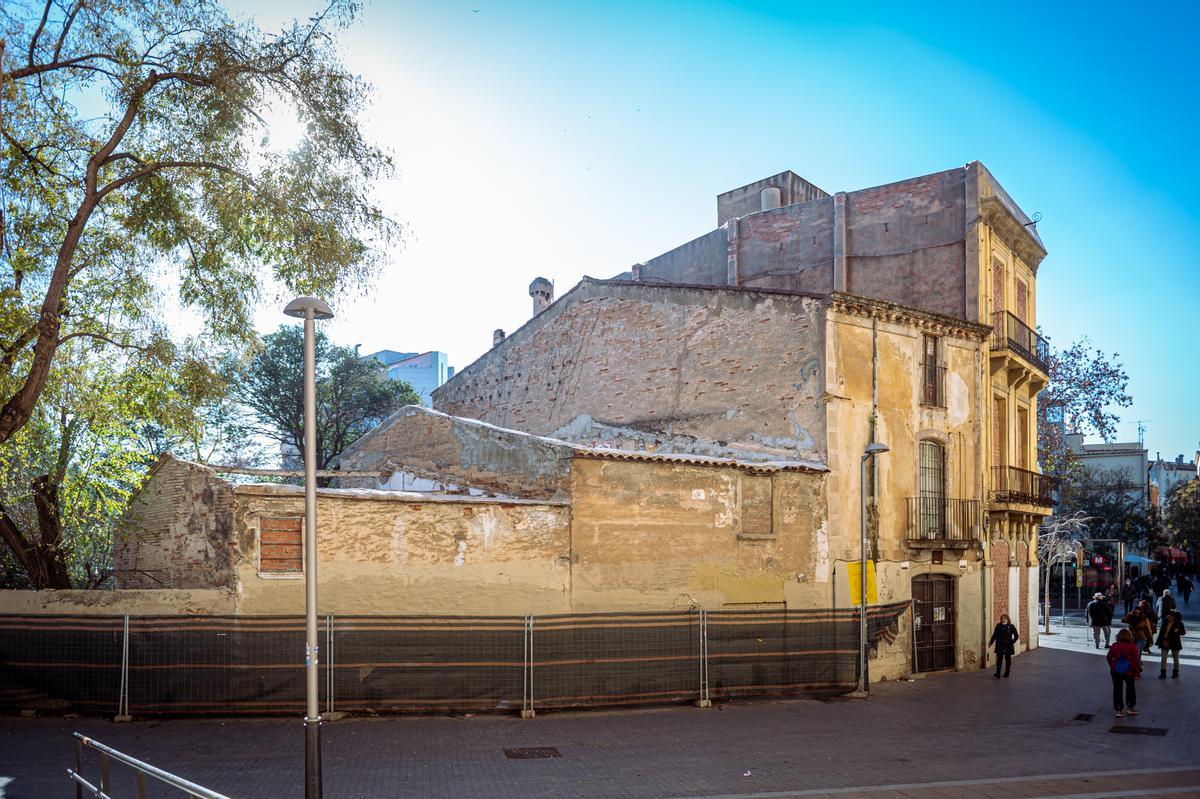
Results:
[1169, 640]
[1004, 637]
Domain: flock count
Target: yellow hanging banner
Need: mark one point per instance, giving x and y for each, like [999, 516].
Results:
[854, 575]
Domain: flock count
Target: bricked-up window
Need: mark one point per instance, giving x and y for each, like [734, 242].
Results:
[1022, 301]
[757, 495]
[281, 545]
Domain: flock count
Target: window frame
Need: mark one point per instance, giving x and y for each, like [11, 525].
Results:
[280, 575]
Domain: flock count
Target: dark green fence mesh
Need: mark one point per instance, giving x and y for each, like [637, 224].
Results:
[189, 665]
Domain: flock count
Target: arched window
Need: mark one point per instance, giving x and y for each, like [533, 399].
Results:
[931, 485]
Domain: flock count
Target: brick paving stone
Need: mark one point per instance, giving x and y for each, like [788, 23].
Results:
[909, 736]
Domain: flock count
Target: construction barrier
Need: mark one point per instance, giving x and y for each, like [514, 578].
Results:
[254, 665]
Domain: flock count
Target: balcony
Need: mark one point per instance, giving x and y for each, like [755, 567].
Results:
[1011, 484]
[942, 523]
[933, 385]
[1010, 333]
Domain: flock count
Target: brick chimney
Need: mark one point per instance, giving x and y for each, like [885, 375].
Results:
[497, 336]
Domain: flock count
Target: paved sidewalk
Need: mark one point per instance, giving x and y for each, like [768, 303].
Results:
[949, 735]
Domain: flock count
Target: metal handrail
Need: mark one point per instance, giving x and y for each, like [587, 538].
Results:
[1011, 333]
[142, 769]
[943, 518]
[1014, 484]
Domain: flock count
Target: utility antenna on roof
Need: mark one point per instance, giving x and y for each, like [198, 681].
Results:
[1141, 423]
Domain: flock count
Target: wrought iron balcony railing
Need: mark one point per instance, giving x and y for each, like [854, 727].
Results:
[1009, 332]
[943, 519]
[1013, 484]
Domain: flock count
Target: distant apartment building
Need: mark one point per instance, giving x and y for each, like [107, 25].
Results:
[424, 371]
[1128, 459]
[1166, 475]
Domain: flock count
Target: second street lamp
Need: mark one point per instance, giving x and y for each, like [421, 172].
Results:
[873, 449]
[310, 309]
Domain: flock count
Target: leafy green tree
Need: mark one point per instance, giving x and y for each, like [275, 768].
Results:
[67, 474]
[1113, 503]
[134, 155]
[1181, 516]
[353, 395]
[1085, 387]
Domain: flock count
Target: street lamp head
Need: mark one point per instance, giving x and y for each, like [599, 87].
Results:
[875, 448]
[300, 306]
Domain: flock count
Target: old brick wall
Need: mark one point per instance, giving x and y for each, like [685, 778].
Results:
[1000, 564]
[177, 531]
[905, 242]
[737, 366]
[1023, 624]
[746, 199]
[789, 248]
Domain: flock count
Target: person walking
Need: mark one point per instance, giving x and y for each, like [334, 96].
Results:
[1127, 595]
[1147, 610]
[1165, 602]
[1004, 637]
[1114, 596]
[1185, 587]
[1140, 631]
[1169, 640]
[1100, 616]
[1124, 666]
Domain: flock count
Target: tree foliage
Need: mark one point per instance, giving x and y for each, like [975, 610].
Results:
[137, 180]
[353, 395]
[1113, 503]
[133, 155]
[67, 474]
[1181, 516]
[1086, 386]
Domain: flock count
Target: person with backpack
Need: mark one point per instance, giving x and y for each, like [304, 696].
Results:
[1100, 616]
[1169, 640]
[1124, 666]
[1005, 638]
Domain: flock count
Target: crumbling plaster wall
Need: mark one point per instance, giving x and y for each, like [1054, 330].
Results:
[438, 447]
[664, 535]
[176, 531]
[735, 366]
[901, 422]
[387, 552]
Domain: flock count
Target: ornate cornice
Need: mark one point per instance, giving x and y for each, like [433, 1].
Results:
[926, 321]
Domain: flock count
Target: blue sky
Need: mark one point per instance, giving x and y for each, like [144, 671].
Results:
[564, 139]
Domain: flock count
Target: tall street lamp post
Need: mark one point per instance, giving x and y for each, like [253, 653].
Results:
[873, 449]
[310, 309]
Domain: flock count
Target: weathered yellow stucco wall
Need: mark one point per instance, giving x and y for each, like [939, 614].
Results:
[391, 553]
[873, 367]
[136, 602]
[655, 535]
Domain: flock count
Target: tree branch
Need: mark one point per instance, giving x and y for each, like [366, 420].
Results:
[41, 27]
[157, 166]
[62, 37]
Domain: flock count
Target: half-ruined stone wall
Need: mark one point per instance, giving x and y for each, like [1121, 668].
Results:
[177, 531]
[736, 366]
[389, 552]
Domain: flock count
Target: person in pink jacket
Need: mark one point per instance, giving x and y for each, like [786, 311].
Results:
[1124, 666]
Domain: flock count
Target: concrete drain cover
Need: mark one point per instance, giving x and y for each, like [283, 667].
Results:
[1140, 730]
[1085, 717]
[531, 752]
